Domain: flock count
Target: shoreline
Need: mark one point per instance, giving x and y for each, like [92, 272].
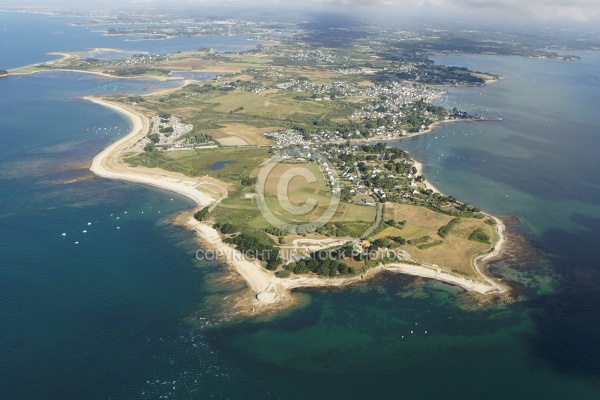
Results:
[268, 289]
[106, 163]
[64, 56]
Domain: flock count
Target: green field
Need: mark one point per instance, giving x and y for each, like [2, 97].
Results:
[238, 162]
[455, 252]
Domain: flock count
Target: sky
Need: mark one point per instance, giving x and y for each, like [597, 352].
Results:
[543, 10]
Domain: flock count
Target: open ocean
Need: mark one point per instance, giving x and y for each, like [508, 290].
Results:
[122, 314]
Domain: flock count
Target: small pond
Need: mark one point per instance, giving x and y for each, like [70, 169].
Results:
[218, 165]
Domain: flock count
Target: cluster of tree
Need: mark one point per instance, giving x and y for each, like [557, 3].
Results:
[150, 147]
[467, 208]
[425, 246]
[167, 129]
[398, 239]
[154, 138]
[226, 228]
[428, 72]
[140, 71]
[414, 116]
[479, 235]
[284, 273]
[196, 138]
[490, 221]
[254, 246]
[362, 167]
[379, 243]
[445, 230]
[345, 194]
[164, 116]
[420, 240]
[134, 99]
[396, 224]
[453, 213]
[200, 88]
[325, 267]
[202, 215]
[247, 181]
[336, 229]
[457, 114]
[275, 231]
[195, 88]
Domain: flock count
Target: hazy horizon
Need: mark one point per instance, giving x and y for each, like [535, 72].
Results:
[501, 11]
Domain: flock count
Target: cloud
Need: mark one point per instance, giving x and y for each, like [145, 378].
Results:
[558, 10]
[578, 10]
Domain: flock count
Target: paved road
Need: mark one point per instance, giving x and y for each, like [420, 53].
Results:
[377, 221]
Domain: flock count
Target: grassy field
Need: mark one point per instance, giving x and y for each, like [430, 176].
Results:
[241, 208]
[298, 191]
[203, 61]
[237, 118]
[455, 253]
[241, 135]
[237, 162]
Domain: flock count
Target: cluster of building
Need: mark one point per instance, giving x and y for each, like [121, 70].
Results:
[305, 153]
[403, 186]
[169, 132]
[292, 137]
[246, 86]
[351, 71]
[312, 55]
[289, 137]
[134, 60]
[399, 93]
[168, 28]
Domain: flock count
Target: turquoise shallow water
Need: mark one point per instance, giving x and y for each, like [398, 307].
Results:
[108, 317]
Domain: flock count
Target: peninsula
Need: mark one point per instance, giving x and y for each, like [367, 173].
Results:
[293, 156]
[269, 287]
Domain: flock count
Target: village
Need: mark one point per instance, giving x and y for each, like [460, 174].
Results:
[169, 133]
[366, 173]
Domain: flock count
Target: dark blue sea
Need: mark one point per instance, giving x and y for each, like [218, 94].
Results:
[122, 311]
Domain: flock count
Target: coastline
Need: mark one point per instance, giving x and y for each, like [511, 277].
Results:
[268, 290]
[46, 66]
[107, 165]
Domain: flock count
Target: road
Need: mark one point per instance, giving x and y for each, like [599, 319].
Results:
[377, 221]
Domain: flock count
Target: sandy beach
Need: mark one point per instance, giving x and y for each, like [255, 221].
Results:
[108, 165]
[266, 287]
